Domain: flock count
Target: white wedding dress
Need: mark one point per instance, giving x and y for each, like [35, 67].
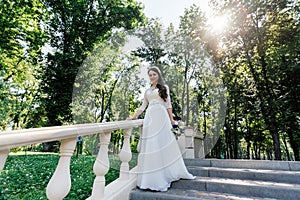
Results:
[160, 161]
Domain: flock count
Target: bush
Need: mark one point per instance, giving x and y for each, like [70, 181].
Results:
[27, 176]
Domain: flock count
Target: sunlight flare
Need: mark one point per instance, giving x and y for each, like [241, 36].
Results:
[218, 24]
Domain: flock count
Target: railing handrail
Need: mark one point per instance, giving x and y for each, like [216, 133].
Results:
[60, 182]
[17, 138]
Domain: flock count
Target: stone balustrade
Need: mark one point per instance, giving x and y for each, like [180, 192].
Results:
[60, 183]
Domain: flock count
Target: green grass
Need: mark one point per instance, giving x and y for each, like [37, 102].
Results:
[27, 176]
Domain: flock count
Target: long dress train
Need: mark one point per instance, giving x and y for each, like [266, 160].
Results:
[160, 161]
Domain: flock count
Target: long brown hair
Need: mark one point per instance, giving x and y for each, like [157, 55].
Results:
[162, 90]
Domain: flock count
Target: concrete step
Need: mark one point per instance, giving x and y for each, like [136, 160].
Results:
[179, 194]
[249, 188]
[247, 174]
[233, 179]
[245, 164]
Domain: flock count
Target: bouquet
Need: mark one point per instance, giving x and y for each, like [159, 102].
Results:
[178, 128]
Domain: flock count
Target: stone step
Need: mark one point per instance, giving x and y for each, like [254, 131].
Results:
[245, 164]
[233, 179]
[248, 174]
[179, 194]
[241, 187]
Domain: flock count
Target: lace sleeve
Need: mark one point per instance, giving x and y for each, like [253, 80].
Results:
[168, 100]
[145, 103]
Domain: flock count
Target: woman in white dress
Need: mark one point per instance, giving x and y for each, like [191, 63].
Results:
[160, 161]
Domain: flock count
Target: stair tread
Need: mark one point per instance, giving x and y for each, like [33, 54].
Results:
[245, 182]
[241, 163]
[232, 179]
[245, 170]
[195, 194]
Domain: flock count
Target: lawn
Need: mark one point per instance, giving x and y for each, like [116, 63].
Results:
[26, 176]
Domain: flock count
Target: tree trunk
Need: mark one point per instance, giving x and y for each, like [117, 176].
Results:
[235, 135]
[271, 108]
[204, 122]
[286, 148]
[183, 94]
[188, 105]
[276, 143]
[294, 140]
[248, 139]
[267, 108]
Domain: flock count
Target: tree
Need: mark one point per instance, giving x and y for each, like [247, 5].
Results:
[152, 51]
[74, 28]
[155, 51]
[22, 38]
[257, 39]
[97, 93]
[189, 51]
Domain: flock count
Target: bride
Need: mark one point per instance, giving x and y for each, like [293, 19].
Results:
[159, 161]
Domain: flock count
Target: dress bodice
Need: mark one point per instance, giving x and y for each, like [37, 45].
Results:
[152, 97]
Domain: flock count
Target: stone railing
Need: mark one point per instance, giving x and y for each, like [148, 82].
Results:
[60, 183]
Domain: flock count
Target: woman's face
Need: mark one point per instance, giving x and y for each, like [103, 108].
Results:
[153, 76]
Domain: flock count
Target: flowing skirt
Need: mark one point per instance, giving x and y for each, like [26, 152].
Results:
[160, 161]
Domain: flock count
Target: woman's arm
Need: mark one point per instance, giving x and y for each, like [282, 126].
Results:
[141, 109]
[136, 114]
[169, 106]
[171, 115]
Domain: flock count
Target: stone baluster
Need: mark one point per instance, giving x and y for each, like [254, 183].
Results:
[125, 155]
[101, 167]
[60, 183]
[199, 145]
[3, 157]
[189, 143]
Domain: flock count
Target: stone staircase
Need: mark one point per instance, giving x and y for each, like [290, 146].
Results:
[232, 179]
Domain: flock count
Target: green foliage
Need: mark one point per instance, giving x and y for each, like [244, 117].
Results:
[187, 69]
[75, 28]
[260, 49]
[104, 79]
[257, 53]
[35, 85]
[104, 85]
[151, 35]
[22, 38]
[27, 176]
